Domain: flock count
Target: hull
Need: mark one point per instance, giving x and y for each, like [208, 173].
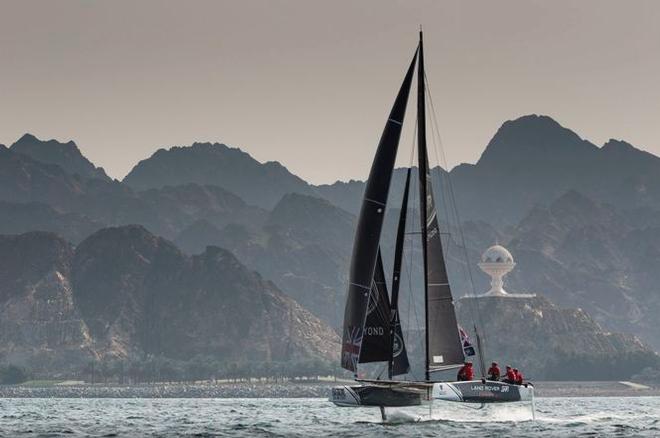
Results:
[478, 391]
[403, 394]
[377, 395]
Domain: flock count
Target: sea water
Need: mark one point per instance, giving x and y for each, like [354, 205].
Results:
[634, 416]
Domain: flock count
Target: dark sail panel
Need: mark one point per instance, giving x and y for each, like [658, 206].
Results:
[369, 226]
[398, 247]
[443, 344]
[400, 364]
[376, 340]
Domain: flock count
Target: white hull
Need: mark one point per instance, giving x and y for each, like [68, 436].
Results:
[400, 394]
[478, 391]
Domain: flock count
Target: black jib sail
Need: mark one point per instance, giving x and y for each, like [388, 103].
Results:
[399, 363]
[376, 339]
[443, 344]
[369, 226]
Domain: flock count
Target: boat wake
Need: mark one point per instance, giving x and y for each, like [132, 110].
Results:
[400, 417]
[451, 413]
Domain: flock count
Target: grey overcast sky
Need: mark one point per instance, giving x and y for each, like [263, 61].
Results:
[309, 83]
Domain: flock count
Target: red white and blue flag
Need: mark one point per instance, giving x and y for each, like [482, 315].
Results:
[468, 348]
[351, 350]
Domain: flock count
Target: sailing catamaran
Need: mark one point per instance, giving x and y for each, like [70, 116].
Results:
[372, 327]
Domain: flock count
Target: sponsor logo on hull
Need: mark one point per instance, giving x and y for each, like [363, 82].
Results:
[480, 392]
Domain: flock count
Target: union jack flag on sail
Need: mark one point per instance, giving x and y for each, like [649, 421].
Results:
[468, 348]
[351, 350]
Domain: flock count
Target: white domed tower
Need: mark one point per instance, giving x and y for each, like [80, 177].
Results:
[497, 261]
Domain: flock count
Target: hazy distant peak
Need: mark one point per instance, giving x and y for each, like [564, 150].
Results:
[533, 137]
[535, 120]
[275, 165]
[623, 147]
[220, 165]
[66, 155]
[534, 126]
[27, 137]
[219, 148]
[29, 140]
[618, 144]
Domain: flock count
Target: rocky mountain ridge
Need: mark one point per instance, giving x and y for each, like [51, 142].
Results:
[66, 155]
[549, 342]
[591, 246]
[126, 293]
[217, 164]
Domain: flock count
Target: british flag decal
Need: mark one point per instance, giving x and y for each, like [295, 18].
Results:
[351, 348]
[468, 348]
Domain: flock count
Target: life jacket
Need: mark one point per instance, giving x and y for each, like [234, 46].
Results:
[494, 372]
[511, 376]
[469, 373]
[519, 378]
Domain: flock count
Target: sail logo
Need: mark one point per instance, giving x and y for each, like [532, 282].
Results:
[373, 298]
[398, 345]
[490, 388]
[468, 349]
[374, 331]
[351, 348]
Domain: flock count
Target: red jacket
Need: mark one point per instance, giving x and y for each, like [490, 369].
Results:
[465, 373]
[511, 376]
[494, 372]
[519, 378]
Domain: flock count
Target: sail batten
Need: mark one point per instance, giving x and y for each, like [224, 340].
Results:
[369, 226]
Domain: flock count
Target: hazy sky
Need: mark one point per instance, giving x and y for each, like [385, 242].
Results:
[309, 83]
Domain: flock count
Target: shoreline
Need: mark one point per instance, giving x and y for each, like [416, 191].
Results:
[310, 389]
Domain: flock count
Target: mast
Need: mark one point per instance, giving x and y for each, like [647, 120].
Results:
[421, 144]
[369, 227]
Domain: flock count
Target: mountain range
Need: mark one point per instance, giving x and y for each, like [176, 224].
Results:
[124, 292]
[580, 220]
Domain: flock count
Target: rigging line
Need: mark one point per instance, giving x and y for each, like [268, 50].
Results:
[474, 309]
[413, 148]
[449, 184]
[457, 215]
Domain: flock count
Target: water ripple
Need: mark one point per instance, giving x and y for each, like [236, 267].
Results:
[584, 417]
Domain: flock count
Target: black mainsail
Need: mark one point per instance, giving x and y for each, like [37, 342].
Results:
[369, 226]
[443, 344]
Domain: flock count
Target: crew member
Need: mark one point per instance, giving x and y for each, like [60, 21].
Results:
[519, 376]
[494, 372]
[465, 373]
[510, 376]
